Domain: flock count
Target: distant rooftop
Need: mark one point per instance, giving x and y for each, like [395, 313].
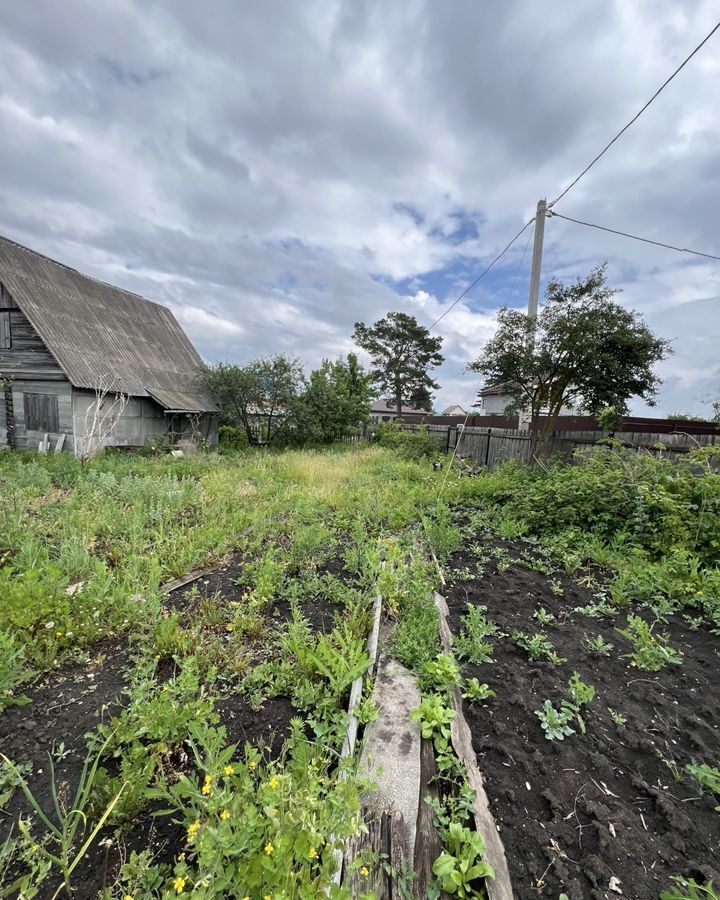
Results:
[382, 406]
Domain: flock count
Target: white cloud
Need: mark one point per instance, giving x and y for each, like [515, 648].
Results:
[271, 172]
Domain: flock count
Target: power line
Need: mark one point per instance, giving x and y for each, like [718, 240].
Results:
[482, 274]
[636, 116]
[635, 237]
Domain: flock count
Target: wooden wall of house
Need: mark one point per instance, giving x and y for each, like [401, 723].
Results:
[27, 356]
[29, 439]
[139, 421]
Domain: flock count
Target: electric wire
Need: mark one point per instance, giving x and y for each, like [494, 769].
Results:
[482, 274]
[634, 237]
[635, 117]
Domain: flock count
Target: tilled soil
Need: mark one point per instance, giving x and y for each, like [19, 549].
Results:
[71, 701]
[610, 812]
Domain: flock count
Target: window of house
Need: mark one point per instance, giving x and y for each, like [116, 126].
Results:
[41, 412]
[5, 336]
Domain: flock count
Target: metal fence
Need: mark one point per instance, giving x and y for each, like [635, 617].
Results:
[490, 447]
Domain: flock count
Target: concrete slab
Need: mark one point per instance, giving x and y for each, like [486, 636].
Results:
[391, 749]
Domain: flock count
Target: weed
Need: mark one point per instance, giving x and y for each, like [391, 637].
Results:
[542, 616]
[689, 889]
[71, 824]
[472, 644]
[434, 717]
[440, 675]
[10, 778]
[474, 691]
[537, 647]
[461, 862]
[597, 645]
[708, 776]
[556, 587]
[617, 717]
[650, 652]
[13, 672]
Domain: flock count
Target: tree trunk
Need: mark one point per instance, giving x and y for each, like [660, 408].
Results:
[398, 400]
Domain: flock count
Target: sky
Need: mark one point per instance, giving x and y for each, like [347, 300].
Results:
[275, 172]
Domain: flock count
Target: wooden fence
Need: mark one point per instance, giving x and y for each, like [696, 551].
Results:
[491, 447]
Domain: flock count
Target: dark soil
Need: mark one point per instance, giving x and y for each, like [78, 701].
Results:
[577, 814]
[72, 701]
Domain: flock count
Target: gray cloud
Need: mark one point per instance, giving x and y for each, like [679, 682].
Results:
[272, 171]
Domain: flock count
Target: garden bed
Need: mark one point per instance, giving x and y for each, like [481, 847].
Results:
[613, 810]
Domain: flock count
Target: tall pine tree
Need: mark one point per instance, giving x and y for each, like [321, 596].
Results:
[402, 353]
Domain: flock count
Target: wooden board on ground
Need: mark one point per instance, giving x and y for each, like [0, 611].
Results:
[498, 888]
[375, 857]
[428, 845]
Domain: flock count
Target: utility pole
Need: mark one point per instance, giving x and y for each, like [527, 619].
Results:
[537, 259]
[533, 297]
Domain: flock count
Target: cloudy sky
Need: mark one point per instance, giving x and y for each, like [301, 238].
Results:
[276, 171]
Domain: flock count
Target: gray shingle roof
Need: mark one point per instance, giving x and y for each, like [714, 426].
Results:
[98, 332]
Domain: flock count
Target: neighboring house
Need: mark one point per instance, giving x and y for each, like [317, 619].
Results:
[454, 411]
[381, 411]
[493, 401]
[64, 336]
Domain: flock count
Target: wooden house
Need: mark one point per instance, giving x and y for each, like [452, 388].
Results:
[66, 339]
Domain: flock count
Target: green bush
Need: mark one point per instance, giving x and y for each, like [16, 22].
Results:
[412, 444]
[232, 438]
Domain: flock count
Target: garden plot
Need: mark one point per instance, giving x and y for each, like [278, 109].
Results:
[186, 790]
[588, 746]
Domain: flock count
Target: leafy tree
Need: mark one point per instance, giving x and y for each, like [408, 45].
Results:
[257, 396]
[685, 417]
[402, 353]
[334, 403]
[584, 350]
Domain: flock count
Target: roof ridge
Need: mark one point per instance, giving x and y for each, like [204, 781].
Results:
[63, 265]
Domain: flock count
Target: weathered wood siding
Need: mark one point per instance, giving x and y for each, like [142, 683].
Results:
[27, 439]
[27, 356]
[141, 420]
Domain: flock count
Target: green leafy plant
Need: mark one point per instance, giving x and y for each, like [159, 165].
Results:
[581, 693]
[70, 825]
[441, 674]
[434, 717]
[13, 671]
[554, 722]
[474, 691]
[689, 889]
[597, 645]
[537, 647]
[543, 617]
[460, 867]
[472, 642]
[706, 775]
[618, 718]
[650, 651]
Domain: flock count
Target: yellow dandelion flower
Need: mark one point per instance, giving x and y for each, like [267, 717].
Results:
[181, 857]
[312, 853]
[273, 783]
[224, 815]
[228, 770]
[252, 764]
[179, 885]
[230, 627]
[193, 830]
[267, 897]
[268, 850]
[128, 897]
[364, 872]
[206, 790]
